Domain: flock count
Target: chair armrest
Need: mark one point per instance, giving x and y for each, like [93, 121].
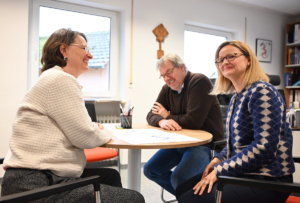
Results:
[51, 190]
[296, 159]
[271, 185]
[216, 143]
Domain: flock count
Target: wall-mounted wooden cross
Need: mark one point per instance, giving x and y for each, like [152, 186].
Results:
[160, 33]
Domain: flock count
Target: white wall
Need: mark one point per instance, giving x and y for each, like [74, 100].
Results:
[13, 57]
[296, 153]
[262, 23]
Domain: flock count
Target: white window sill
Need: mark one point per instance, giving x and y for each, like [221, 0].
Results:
[104, 100]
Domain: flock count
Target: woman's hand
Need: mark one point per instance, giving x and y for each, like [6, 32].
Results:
[100, 126]
[160, 109]
[210, 167]
[209, 181]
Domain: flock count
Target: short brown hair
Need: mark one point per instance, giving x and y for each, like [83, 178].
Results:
[254, 71]
[51, 55]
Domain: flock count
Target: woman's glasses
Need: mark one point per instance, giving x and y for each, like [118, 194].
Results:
[86, 48]
[230, 57]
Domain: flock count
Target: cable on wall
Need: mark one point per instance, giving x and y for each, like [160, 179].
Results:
[245, 30]
[131, 48]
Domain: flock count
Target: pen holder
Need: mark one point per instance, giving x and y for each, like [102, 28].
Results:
[126, 121]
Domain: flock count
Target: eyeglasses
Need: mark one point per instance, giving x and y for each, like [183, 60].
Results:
[169, 73]
[86, 48]
[230, 57]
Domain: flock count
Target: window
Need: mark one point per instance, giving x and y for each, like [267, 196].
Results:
[100, 28]
[200, 45]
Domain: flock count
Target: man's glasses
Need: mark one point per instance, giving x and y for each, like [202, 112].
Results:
[86, 49]
[230, 57]
[169, 73]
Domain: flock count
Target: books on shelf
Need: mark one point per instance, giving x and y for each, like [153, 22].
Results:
[286, 79]
[294, 36]
[296, 31]
[294, 96]
[297, 95]
[293, 56]
[289, 37]
[297, 83]
[297, 55]
[292, 78]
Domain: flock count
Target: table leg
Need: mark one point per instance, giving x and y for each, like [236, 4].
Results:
[134, 170]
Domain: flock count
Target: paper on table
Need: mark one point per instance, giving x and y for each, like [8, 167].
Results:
[149, 136]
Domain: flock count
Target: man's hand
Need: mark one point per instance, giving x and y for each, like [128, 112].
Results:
[160, 109]
[169, 125]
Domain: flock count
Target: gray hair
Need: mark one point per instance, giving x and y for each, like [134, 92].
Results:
[173, 58]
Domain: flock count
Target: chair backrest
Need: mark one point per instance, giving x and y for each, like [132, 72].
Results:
[274, 79]
[91, 110]
[281, 92]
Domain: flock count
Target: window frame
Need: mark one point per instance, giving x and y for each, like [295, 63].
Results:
[33, 45]
[209, 31]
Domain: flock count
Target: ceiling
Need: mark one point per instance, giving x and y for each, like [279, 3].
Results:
[291, 7]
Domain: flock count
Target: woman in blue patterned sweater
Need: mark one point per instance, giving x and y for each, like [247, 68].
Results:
[259, 143]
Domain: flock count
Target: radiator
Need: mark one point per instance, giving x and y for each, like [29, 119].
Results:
[108, 118]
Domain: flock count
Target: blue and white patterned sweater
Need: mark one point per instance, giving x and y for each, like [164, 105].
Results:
[259, 138]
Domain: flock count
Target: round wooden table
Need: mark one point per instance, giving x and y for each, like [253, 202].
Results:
[134, 157]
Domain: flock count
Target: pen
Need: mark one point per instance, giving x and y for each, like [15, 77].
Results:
[129, 104]
[130, 111]
[126, 120]
[122, 111]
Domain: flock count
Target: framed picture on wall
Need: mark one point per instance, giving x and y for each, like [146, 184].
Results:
[264, 50]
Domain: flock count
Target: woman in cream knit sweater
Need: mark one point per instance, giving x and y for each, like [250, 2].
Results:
[52, 128]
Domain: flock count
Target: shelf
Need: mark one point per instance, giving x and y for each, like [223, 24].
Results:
[293, 44]
[292, 87]
[293, 66]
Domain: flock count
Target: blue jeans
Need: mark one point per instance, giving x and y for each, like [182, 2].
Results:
[190, 161]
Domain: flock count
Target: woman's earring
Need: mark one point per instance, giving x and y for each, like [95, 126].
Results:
[65, 58]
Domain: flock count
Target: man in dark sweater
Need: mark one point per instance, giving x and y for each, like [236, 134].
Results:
[183, 102]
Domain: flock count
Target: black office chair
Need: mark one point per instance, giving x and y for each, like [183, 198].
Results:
[90, 107]
[288, 187]
[39, 193]
[274, 79]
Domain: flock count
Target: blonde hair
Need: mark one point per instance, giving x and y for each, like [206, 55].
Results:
[254, 71]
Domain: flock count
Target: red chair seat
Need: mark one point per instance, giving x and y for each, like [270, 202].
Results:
[293, 199]
[99, 154]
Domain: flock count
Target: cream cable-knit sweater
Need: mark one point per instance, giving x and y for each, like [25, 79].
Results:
[52, 127]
